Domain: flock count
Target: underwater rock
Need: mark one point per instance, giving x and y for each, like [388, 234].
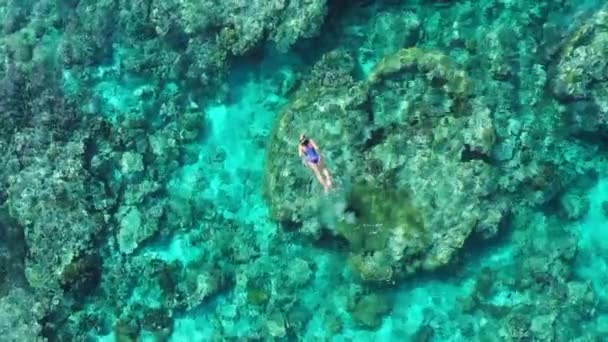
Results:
[581, 296]
[542, 327]
[281, 23]
[20, 314]
[332, 322]
[389, 32]
[136, 226]
[582, 59]
[157, 320]
[423, 334]
[131, 163]
[582, 74]
[368, 310]
[130, 228]
[575, 205]
[199, 287]
[48, 199]
[299, 272]
[5, 264]
[127, 330]
[12, 252]
[276, 326]
[82, 275]
[605, 208]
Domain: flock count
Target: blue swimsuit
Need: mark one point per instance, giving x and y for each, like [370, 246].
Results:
[311, 154]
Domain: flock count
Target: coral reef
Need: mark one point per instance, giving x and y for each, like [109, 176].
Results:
[20, 316]
[512, 293]
[369, 309]
[413, 126]
[48, 191]
[51, 204]
[189, 42]
[580, 77]
[381, 226]
[151, 190]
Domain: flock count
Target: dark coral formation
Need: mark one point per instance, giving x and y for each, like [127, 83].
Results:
[190, 42]
[536, 293]
[581, 78]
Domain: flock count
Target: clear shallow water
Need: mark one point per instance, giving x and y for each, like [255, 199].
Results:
[210, 262]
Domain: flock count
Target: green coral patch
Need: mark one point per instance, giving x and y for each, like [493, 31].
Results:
[381, 226]
[257, 296]
[375, 214]
[437, 66]
[368, 310]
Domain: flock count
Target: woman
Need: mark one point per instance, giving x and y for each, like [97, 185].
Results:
[310, 151]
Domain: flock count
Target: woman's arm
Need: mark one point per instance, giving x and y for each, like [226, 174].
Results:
[314, 145]
[300, 150]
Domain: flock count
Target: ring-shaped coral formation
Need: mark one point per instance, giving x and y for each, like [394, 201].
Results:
[413, 124]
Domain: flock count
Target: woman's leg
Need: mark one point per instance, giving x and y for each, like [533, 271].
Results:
[325, 172]
[315, 169]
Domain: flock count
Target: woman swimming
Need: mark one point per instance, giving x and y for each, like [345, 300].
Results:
[312, 157]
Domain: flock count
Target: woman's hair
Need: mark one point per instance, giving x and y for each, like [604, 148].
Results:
[303, 140]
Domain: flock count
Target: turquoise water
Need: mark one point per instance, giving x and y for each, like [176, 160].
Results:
[151, 188]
